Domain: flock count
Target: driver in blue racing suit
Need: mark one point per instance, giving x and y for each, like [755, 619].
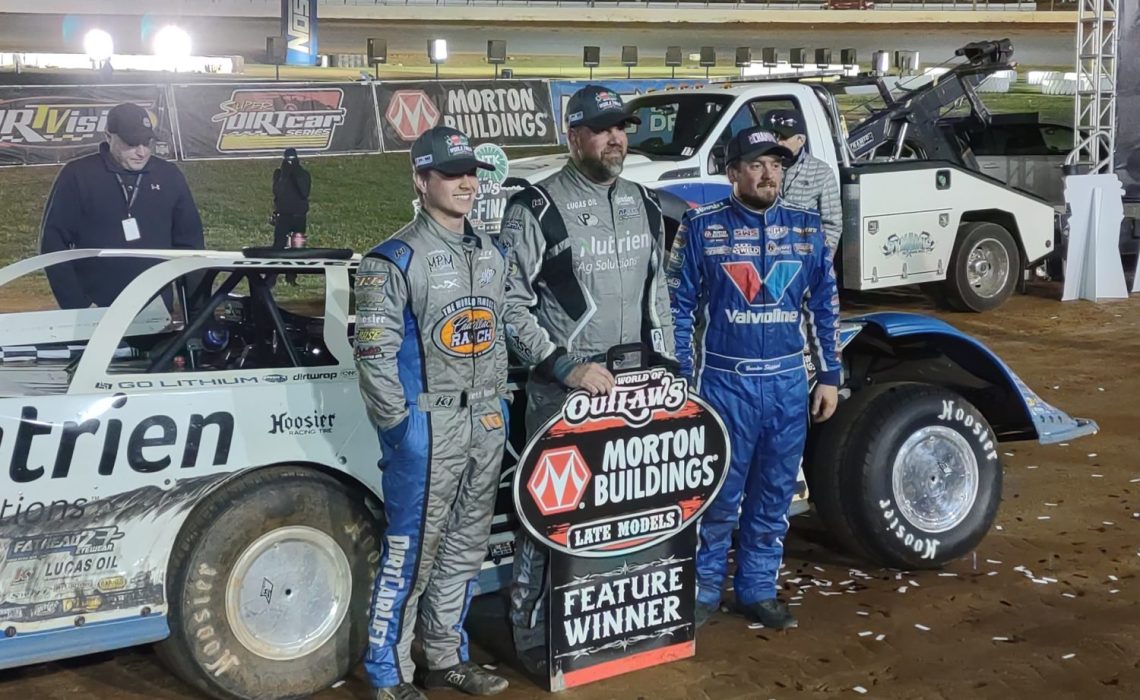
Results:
[748, 267]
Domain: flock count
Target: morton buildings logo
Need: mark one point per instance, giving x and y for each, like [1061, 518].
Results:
[56, 122]
[271, 120]
[411, 113]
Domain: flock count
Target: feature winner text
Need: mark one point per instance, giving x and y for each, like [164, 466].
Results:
[617, 607]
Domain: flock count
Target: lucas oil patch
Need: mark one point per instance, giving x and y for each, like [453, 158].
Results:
[467, 328]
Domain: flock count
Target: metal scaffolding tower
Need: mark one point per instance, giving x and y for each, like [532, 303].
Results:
[1094, 109]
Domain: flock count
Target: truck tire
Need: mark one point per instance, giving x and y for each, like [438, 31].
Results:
[910, 477]
[269, 586]
[984, 267]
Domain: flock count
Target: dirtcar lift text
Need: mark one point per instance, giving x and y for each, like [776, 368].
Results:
[145, 440]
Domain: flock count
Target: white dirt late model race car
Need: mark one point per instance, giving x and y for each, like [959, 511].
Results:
[193, 466]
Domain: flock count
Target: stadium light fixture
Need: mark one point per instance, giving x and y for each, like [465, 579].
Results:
[591, 58]
[673, 58]
[628, 58]
[98, 45]
[172, 43]
[437, 53]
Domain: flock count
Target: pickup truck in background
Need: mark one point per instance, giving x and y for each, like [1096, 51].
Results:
[934, 221]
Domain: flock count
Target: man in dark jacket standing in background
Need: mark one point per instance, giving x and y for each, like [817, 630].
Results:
[291, 187]
[120, 197]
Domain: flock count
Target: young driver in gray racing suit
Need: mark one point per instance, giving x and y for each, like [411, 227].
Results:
[586, 252]
[433, 372]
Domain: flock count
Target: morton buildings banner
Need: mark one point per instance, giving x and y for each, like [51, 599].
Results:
[503, 112]
[41, 125]
[235, 120]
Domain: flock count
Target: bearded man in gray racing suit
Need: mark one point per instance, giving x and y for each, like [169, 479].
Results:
[586, 273]
[433, 371]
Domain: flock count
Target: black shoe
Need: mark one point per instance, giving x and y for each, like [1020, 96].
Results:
[771, 613]
[534, 661]
[467, 677]
[703, 613]
[404, 691]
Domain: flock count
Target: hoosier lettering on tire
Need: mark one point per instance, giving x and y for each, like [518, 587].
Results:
[910, 476]
[269, 586]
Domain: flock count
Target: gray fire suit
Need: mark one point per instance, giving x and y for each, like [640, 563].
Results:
[433, 372]
[810, 184]
[586, 274]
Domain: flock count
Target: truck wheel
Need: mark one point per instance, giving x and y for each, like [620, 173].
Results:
[910, 477]
[984, 267]
[269, 586]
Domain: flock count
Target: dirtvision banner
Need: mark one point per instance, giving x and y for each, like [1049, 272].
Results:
[612, 485]
[41, 125]
[503, 112]
[234, 121]
[561, 90]
[299, 27]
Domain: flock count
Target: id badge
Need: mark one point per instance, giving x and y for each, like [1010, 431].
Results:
[131, 229]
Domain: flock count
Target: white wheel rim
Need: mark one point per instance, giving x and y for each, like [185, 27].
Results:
[288, 592]
[988, 268]
[935, 479]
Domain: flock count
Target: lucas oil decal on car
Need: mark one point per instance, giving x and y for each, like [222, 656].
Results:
[619, 473]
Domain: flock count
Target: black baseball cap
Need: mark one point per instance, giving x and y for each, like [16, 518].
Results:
[446, 150]
[786, 122]
[598, 107]
[754, 142]
[131, 123]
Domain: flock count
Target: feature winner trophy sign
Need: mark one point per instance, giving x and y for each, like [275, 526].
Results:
[613, 486]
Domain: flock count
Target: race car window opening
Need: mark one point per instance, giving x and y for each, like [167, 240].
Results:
[674, 126]
[225, 320]
[748, 116]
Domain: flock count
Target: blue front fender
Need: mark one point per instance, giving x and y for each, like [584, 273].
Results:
[1051, 424]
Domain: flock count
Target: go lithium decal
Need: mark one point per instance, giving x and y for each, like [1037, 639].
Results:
[619, 473]
[299, 27]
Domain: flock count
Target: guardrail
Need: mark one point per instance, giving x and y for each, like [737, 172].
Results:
[951, 5]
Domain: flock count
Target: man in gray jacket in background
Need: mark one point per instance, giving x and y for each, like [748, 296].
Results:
[433, 374]
[586, 273]
[809, 183]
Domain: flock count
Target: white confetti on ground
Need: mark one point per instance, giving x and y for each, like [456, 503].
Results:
[880, 637]
[1069, 595]
[913, 583]
[866, 633]
[1007, 454]
[1112, 578]
[1032, 466]
[338, 683]
[1108, 522]
[1092, 454]
[1097, 476]
[902, 589]
[862, 612]
[924, 628]
[1114, 591]
[999, 527]
[1133, 481]
[1001, 639]
[860, 689]
[755, 626]
[947, 573]
[1043, 517]
[992, 561]
[1066, 657]
[1051, 505]
[490, 667]
[992, 573]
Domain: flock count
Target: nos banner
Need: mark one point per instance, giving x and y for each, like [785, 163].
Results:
[234, 121]
[504, 112]
[613, 486]
[41, 125]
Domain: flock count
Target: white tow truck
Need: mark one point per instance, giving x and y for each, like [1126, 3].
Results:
[915, 211]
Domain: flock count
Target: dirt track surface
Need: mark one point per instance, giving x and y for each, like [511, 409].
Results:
[1045, 608]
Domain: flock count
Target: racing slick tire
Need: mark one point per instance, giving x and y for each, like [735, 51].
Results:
[269, 586]
[908, 476]
[984, 267]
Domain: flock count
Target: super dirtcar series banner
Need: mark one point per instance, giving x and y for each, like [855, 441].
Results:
[41, 125]
[235, 120]
[503, 112]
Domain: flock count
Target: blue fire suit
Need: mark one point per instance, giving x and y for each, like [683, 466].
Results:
[749, 275]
